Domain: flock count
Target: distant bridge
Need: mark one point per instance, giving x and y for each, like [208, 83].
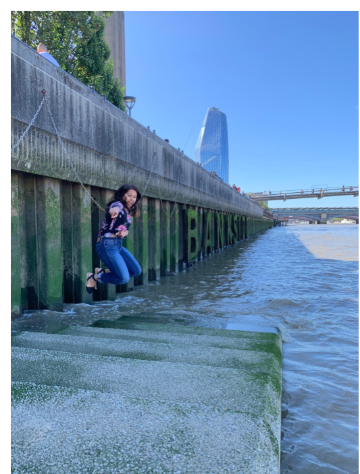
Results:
[305, 194]
[320, 215]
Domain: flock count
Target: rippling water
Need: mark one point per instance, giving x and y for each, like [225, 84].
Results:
[300, 279]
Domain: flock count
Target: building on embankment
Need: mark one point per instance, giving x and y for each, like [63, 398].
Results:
[186, 213]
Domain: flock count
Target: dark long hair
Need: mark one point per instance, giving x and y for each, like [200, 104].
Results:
[119, 196]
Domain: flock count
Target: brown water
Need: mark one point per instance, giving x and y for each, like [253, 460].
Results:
[300, 279]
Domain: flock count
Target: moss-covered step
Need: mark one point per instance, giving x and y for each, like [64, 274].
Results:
[240, 340]
[246, 392]
[178, 349]
[129, 324]
[57, 430]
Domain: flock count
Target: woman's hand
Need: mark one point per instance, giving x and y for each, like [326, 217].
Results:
[122, 233]
[114, 212]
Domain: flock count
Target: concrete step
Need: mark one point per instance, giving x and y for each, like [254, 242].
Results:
[176, 334]
[57, 430]
[143, 398]
[175, 382]
[170, 348]
[128, 325]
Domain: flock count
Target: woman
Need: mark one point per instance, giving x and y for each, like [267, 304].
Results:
[121, 264]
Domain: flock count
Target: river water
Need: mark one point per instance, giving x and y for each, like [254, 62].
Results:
[302, 280]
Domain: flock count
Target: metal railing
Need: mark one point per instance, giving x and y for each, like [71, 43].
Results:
[309, 193]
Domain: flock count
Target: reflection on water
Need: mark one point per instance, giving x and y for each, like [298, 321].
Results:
[300, 279]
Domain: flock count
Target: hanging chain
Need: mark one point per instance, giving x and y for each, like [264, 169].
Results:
[75, 172]
[57, 133]
[65, 152]
[151, 169]
[30, 124]
[64, 149]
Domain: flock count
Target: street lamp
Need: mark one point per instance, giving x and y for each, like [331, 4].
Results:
[129, 102]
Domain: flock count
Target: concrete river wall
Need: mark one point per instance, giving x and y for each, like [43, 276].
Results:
[186, 213]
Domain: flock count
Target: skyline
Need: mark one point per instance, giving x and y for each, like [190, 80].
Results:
[287, 82]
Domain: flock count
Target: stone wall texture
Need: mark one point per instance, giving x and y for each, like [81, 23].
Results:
[106, 146]
[188, 212]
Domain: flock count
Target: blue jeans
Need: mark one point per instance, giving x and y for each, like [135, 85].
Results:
[119, 261]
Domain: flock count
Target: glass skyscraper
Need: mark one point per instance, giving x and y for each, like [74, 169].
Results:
[212, 149]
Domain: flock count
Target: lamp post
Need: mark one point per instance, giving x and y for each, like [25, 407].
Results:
[129, 102]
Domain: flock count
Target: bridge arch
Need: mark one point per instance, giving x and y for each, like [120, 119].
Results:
[301, 218]
[354, 218]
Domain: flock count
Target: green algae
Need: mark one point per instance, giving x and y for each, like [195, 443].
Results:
[33, 393]
[273, 439]
[269, 348]
[181, 329]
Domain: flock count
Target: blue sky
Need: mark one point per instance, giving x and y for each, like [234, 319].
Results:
[287, 82]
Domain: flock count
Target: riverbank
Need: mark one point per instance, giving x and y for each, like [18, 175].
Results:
[301, 279]
[65, 172]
